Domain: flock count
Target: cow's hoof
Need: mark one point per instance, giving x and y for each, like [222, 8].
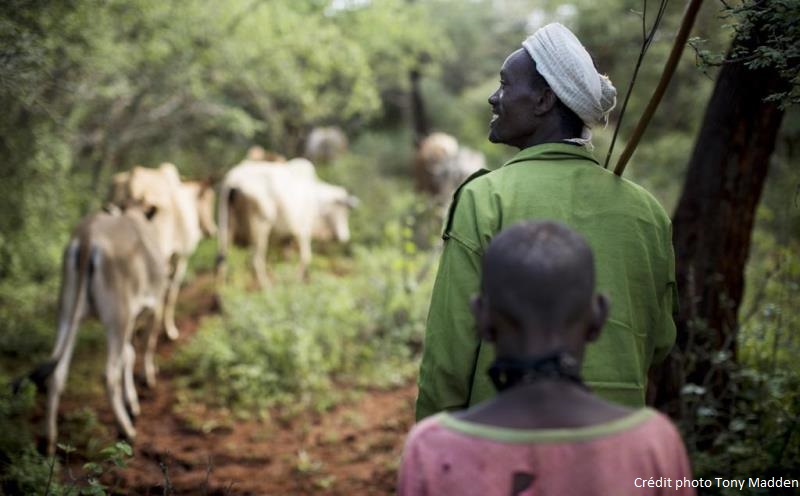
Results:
[172, 332]
[129, 437]
[133, 411]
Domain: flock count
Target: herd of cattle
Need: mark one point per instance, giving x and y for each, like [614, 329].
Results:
[125, 264]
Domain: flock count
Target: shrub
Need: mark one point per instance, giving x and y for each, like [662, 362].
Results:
[295, 342]
[22, 469]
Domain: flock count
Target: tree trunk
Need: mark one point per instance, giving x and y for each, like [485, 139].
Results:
[712, 227]
[419, 119]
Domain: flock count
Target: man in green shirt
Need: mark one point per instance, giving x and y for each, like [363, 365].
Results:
[549, 96]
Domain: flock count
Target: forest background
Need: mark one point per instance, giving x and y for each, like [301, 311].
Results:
[92, 87]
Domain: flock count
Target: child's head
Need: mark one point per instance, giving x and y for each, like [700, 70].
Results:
[537, 292]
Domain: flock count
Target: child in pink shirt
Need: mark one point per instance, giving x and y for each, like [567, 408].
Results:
[545, 433]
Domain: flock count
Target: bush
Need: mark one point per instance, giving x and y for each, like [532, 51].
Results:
[762, 434]
[22, 469]
[295, 342]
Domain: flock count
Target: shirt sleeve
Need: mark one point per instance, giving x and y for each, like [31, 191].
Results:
[665, 335]
[451, 344]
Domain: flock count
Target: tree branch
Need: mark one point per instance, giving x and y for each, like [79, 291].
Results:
[666, 76]
[647, 39]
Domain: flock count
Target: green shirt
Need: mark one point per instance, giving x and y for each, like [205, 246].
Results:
[631, 237]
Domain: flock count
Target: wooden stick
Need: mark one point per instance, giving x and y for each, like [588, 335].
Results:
[669, 69]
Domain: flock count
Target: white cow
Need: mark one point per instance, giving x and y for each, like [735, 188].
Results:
[112, 268]
[441, 165]
[184, 213]
[257, 201]
[325, 144]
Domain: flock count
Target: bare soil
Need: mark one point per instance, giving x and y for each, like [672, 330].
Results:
[352, 449]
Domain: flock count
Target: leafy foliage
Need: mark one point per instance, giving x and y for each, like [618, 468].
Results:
[777, 44]
[22, 469]
[761, 439]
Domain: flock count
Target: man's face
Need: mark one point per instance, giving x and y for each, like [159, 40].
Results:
[514, 103]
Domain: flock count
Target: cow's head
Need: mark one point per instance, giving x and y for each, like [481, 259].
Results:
[334, 209]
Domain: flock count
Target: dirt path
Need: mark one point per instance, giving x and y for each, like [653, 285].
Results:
[352, 449]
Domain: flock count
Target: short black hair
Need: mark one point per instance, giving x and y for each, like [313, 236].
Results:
[540, 274]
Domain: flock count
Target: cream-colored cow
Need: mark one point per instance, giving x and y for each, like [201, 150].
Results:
[112, 268]
[441, 165]
[184, 214]
[257, 201]
[325, 144]
[203, 195]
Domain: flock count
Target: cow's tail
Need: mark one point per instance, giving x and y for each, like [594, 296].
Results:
[226, 196]
[79, 265]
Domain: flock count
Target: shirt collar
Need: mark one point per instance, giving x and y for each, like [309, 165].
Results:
[553, 151]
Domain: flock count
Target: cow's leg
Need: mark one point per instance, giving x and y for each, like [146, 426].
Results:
[304, 243]
[225, 232]
[151, 340]
[181, 263]
[259, 231]
[116, 335]
[131, 398]
[113, 306]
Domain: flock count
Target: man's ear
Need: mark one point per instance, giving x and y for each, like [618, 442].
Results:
[600, 308]
[545, 102]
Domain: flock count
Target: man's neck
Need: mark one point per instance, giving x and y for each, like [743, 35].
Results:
[547, 135]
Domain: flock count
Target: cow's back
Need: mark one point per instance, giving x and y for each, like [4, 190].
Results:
[176, 219]
[126, 249]
[282, 194]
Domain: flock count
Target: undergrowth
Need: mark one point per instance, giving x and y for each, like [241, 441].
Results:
[295, 343]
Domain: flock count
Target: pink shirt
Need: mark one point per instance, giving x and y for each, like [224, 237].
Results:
[447, 456]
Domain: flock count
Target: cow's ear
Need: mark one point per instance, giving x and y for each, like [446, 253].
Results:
[150, 212]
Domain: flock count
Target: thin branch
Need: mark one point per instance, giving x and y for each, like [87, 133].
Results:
[50, 475]
[669, 69]
[761, 292]
[647, 39]
[168, 489]
[209, 467]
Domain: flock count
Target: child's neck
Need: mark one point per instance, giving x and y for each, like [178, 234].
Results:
[545, 404]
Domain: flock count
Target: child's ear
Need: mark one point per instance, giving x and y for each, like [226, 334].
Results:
[482, 322]
[600, 309]
[475, 305]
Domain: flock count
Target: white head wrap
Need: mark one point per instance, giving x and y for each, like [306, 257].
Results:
[569, 71]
